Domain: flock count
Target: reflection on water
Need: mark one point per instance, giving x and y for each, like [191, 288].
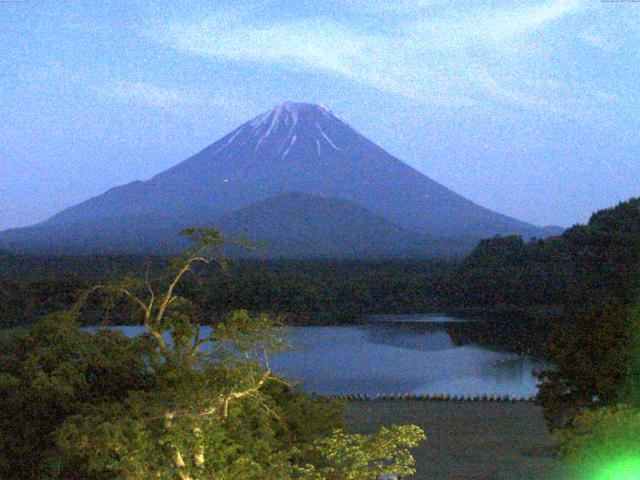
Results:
[385, 357]
[418, 318]
[411, 336]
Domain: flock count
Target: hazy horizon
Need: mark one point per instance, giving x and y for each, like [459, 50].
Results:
[529, 110]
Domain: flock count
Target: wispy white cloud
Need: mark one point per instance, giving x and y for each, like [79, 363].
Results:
[165, 98]
[600, 40]
[319, 44]
[515, 96]
[489, 26]
[433, 60]
[148, 95]
[506, 23]
[395, 7]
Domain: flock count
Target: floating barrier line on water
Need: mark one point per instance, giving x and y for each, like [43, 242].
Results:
[432, 397]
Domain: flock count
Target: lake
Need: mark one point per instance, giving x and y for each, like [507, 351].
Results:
[400, 354]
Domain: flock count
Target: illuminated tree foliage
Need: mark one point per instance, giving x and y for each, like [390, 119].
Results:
[603, 444]
[51, 371]
[173, 403]
[602, 441]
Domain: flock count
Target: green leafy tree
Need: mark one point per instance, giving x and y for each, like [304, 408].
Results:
[197, 406]
[49, 372]
[343, 456]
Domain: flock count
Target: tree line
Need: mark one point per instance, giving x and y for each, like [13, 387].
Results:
[587, 265]
[305, 291]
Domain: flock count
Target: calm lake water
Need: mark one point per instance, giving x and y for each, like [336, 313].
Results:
[402, 354]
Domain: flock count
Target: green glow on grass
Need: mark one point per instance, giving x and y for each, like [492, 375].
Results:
[623, 469]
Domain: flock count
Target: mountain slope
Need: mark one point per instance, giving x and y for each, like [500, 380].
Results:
[295, 147]
[292, 225]
[303, 226]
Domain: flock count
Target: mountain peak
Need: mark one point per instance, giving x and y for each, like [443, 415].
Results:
[294, 147]
[290, 125]
[288, 113]
[291, 106]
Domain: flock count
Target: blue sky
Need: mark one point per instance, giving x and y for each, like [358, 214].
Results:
[530, 108]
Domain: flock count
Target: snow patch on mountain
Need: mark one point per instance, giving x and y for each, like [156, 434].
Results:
[297, 119]
[293, 141]
[328, 139]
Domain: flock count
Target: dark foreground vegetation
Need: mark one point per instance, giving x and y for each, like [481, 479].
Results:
[573, 297]
[587, 283]
[98, 406]
[592, 264]
[307, 292]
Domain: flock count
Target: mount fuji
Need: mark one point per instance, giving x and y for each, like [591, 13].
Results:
[297, 177]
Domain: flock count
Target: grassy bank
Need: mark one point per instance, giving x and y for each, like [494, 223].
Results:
[468, 440]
